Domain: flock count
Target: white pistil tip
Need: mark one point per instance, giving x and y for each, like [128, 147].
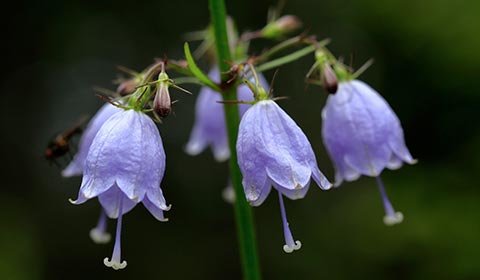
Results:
[393, 219]
[99, 236]
[289, 249]
[115, 265]
[228, 194]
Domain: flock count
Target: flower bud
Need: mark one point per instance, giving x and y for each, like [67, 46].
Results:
[329, 78]
[281, 26]
[162, 104]
[128, 86]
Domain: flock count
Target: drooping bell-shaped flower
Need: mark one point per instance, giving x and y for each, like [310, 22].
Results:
[273, 151]
[75, 167]
[125, 166]
[210, 128]
[363, 136]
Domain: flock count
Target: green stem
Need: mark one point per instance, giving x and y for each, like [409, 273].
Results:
[243, 212]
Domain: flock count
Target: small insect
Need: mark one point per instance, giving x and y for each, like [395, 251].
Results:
[60, 145]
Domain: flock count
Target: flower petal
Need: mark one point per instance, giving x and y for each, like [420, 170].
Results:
[293, 194]
[76, 165]
[155, 195]
[284, 144]
[154, 210]
[357, 125]
[256, 195]
[198, 141]
[251, 159]
[110, 201]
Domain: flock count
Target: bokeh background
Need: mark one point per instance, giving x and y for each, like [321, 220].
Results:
[427, 63]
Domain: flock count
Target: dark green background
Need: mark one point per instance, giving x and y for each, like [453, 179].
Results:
[427, 63]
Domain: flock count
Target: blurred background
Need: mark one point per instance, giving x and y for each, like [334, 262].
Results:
[427, 63]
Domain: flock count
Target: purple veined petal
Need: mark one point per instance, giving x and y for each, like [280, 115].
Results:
[373, 152]
[110, 201]
[128, 165]
[336, 149]
[220, 149]
[148, 165]
[154, 210]
[256, 194]
[284, 145]
[319, 178]
[397, 143]
[390, 124]
[395, 162]
[101, 164]
[91, 188]
[251, 161]
[293, 194]
[198, 141]
[209, 127]
[155, 196]
[345, 172]
[75, 167]
[356, 126]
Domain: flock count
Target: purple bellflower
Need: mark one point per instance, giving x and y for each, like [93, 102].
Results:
[363, 136]
[75, 167]
[273, 151]
[210, 128]
[124, 166]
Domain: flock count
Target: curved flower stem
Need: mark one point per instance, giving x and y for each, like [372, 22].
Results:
[243, 212]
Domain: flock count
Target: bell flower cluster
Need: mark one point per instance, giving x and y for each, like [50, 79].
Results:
[122, 160]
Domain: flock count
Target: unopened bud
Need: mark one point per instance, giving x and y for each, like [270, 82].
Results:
[281, 26]
[329, 78]
[288, 23]
[128, 86]
[162, 104]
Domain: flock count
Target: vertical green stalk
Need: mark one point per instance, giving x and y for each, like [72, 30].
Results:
[243, 212]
